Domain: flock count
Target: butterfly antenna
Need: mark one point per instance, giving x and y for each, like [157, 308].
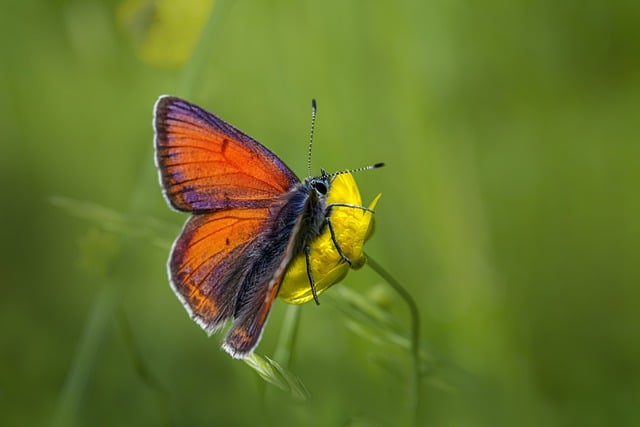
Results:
[313, 125]
[363, 168]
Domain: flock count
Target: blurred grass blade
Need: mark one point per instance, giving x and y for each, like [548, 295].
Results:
[273, 373]
[139, 365]
[84, 359]
[356, 305]
[147, 228]
[142, 368]
[371, 321]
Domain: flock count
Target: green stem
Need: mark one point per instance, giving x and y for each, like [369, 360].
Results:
[283, 352]
[414, 384]
[287, 338]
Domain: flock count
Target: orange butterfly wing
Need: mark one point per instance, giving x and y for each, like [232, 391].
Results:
[204, 260]
[246, 331]
[227, 264]
[207, 164]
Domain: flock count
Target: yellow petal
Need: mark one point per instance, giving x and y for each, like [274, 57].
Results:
[352, 228]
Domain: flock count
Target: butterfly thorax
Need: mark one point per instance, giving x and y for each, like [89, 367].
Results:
[313, 215]
[298, 217]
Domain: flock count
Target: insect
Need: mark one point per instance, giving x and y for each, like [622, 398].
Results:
[250, 217]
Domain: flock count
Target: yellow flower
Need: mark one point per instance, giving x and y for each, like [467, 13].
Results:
[352, 228]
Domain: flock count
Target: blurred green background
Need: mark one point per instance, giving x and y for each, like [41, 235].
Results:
[510, 207]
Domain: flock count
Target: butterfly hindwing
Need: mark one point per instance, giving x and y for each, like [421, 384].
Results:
[207, 164]
[246, 331]
[208, 262]
[260, 286]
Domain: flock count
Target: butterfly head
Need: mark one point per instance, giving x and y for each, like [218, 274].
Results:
[320, 184]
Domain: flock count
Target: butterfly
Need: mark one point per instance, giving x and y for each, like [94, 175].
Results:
[250, 217]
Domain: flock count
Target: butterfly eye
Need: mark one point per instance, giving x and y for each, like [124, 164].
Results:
[320, 187]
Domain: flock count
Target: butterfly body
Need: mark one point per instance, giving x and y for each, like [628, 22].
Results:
[291, 227]
[251, 216]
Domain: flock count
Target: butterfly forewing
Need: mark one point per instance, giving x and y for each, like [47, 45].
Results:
[207, 164]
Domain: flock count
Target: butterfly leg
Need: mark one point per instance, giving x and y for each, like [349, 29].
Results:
[327, 216]
[349, 205]
[335, 241]
[345, 258]
[307, 254]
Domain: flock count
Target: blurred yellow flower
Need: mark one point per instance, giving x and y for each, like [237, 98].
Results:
[352, 228]
[164, 32]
